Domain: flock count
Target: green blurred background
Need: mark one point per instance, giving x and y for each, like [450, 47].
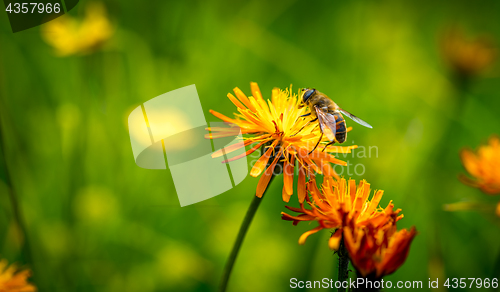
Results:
[95, 221]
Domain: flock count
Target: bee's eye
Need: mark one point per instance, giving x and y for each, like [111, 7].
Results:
[307, 94]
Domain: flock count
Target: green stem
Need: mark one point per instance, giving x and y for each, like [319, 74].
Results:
[343, 270]
[496, 267]
[254, 205]
[16, 210]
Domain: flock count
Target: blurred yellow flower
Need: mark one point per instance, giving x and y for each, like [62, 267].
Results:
[484, 167]
[70, 36]
[467, 57]
[340, 204]
[278, 126]
[14, 280]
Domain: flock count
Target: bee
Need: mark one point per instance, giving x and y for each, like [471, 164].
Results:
[329, 116]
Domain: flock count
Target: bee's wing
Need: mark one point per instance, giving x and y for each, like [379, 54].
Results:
[327, 123]
[356, 119]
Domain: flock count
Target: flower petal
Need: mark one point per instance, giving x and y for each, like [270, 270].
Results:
[288, 175]
[223, 117]
[244, 99]
[266, 177]
[303, 237]
[246, 153]
[231, 148]
[259, 166]
[334, 241]
[301, 185]
[285, 196]
[236, 102]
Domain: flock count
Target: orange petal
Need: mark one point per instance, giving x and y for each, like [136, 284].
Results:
[288, 176]
[340, 149]
[468, 181]
[488, 189]
[298, 210]
[352, 245]
[285, 195]
[235, 101]
[253, 118]
[245, 154]
[233, 128]
[316, 195]
[258, 95]
[244, 99]
[470, 162]
[301, 217]
[304, 236]
[326, 169]
[334, 241]
[301, 185]
[359, 198]
[254, 87]
[220, 135]
[400, 249]
[374, 201]
[275, 93]
[230, 148]
[319, 155]
[223, 117]
[259, 166]
[266, 177]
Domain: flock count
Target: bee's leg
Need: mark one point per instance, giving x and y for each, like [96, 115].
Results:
[305, 115]
[328, 145]
[321, 137]
[304, 126]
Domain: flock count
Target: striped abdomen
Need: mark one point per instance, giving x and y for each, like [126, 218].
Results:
[340, 134]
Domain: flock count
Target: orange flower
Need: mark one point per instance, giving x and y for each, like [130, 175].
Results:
[483, 166]
[278, 126]
[378, 251]
[13, 279]
[339, 205]
[468, 57]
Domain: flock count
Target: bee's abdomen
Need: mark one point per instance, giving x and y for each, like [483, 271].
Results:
[340, 134]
